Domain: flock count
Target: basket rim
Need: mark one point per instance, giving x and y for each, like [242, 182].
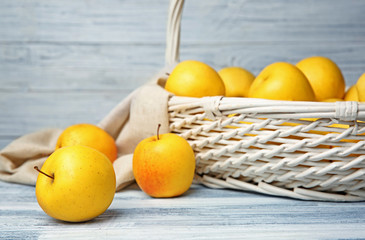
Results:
[217, 105]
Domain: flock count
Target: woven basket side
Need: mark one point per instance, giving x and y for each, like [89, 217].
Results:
[323, 155]
[305, 150]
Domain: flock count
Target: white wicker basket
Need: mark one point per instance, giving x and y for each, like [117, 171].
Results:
[271, 147]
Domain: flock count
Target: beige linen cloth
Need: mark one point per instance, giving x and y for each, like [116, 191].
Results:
[133, 119]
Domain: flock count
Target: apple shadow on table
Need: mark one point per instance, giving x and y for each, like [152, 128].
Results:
[106, 216]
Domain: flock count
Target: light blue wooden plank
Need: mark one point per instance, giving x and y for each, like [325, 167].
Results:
[205, 21]
[265, 21]
[103, 67]
[28, 78]
[201, 213]
[67, 55]
[83, 21]
[23, 113]
[89, 66]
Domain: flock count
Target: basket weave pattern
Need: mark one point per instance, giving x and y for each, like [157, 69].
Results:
[304, 150]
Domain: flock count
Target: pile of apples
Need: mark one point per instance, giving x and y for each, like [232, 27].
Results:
[315, 78]
[77, 182]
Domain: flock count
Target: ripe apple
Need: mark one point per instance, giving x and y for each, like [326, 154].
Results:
[360, 87]
[351, 94]
[192, 78]
[77, 183]
[282, 81]
[332, 100]
[237, 81]
[89, 135]
[164, 165]
[324, 76]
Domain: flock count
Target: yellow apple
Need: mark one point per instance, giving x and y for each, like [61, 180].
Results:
[192, 78]
[281, 81]
[237, 81]
[91, 136]
[333, 100]
[164, 165]
[351, 94]
[80, 184]
[324, 76]
[360, 87]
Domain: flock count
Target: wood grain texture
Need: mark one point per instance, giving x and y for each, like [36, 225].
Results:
[65, 62]
[81, 53]
[70, 62]
[83, 21]
[201, 213]
[254, 34]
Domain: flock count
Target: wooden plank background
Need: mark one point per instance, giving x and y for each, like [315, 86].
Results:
[201, 213]
[65, 62]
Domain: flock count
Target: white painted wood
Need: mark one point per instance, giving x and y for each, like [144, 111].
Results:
[51, 50]
[254, 34]
[201, 213]
[36, 110]
[86, 21]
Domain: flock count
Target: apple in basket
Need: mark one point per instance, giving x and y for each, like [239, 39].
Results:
[237, 81]
[351, 94]
[282, 81]
[164, 165]
[193, 78]
[324, 76]
[360, 87]
[75, 184]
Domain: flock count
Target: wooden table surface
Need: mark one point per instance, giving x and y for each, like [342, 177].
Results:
[201, 213]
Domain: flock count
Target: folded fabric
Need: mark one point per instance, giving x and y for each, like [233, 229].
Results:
[133, 119]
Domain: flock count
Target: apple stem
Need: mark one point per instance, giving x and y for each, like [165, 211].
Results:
[158, 131]
[36, 168]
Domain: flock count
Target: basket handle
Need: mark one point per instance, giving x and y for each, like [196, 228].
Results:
[172, 53]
